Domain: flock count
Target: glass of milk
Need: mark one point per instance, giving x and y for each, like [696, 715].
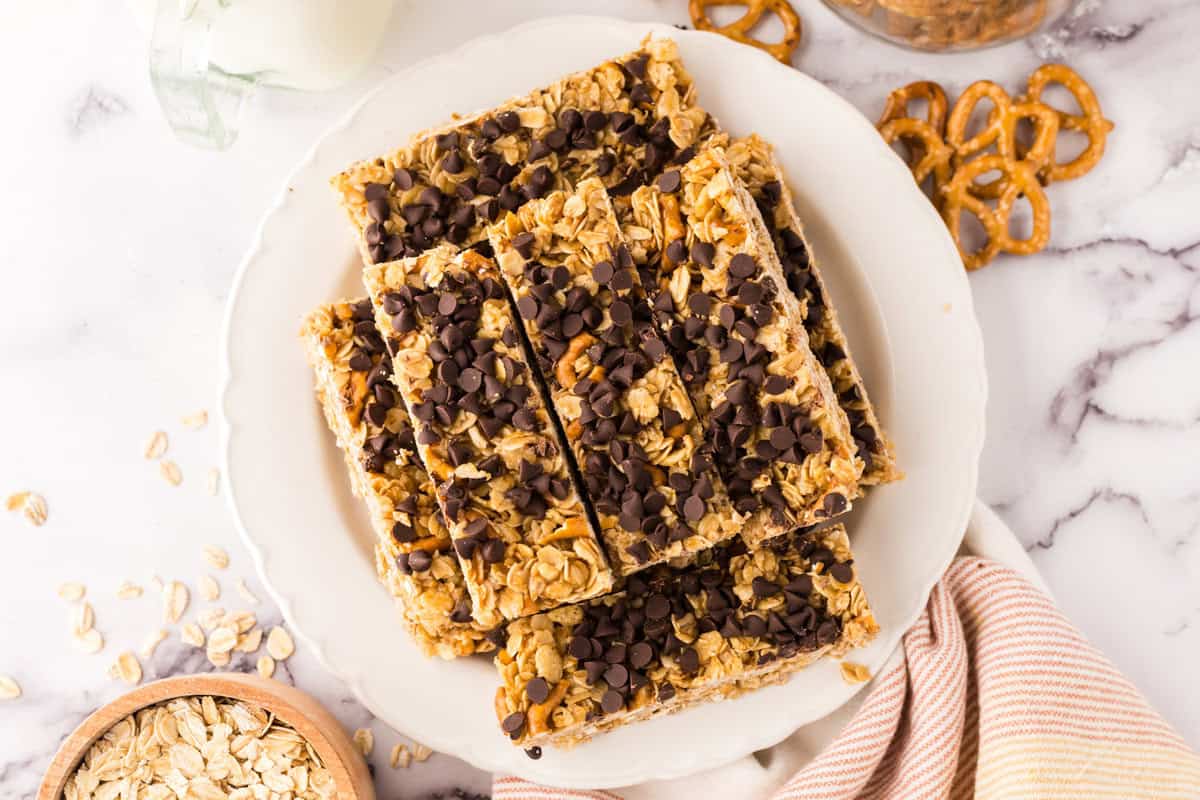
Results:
[207, 57]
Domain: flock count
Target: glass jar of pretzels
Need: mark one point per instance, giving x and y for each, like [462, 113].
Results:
[950, 25]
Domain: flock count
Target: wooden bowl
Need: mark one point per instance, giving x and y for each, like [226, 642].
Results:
[302, 712]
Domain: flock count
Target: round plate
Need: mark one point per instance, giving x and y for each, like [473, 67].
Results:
[897, 283]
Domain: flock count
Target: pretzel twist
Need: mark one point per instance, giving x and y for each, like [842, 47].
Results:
[1020, 179]
[1091, 122]
[739, 29]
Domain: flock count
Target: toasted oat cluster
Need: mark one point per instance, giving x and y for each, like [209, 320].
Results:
[645, 464]
[598, 400]
[413, 554]
[497, 461]
[736, 619]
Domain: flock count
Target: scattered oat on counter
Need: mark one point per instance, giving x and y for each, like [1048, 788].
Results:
[214, 481]
[401, 757]
[209, 588]
[156, 445]
[249, 642]
[202, 747]
[210, 618]
[126, 668]
[855, 673]
[152, 641]
[175, 601]
[128, 590]
[364, 740]
[191, 634]
[170, 472]
[245, 592]
[195, 421]
[90, 642]
[9, 688]
[216, 556]
[31, 505]
[421, 752]
[265, 666]
[82, 618]
[280, 644]
[72, 592]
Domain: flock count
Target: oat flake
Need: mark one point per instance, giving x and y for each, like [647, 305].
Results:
[127, 668]
[210, 588]
[90, 642]
[245, 592]
[170, 472]
[195, 421]
[128, 590]
[9, 688]
[265, 666]
[153, 640]
[156, 445]
[214, 481]
[175, 601]
[280, 644]
[72, 592]
[364, 740]
[82, 619]
[191, 634]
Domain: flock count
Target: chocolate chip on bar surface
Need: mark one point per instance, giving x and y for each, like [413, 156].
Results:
[735, 620]
[754, 163]
[780, 440]
[620, 122]
[413, 554]
[641, 452]
[496, 460]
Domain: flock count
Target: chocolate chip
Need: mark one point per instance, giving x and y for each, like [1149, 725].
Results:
[616, 675]
[453, 163]
[657, 607]
[700, 304]
[419, 560]
[749, 293]
[579, 647]
[842, 572]
[669, 182]
[534, 753]
[403, 179]
[537, 690]
[513, 724]
[640, 655]
[693, 508]
[742, 266]
[523, 244]
[703, 253]
[602, 272]
[493, 551]
[612, 702]
[595, 670]
[689, 660]
[777, 384]
[620, 312]
[509, 121]
[763, 587]
[834, 503]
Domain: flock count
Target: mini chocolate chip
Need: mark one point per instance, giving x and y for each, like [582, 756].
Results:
[702, 253]
[749, 293]
[640, 655]
[693, 508]
[842, 572]
[419, 560]
[620, 312]
[493, 551]
[763, 587]
[689, 660]
[658, 607]
[834, 503]
[700, 304]
[612, 702]
[514, 723]
[579, 647]
[537, 690]
[777, 384]
[453, 162]
[509, 121]
[742, 266]
[669, 182]
[602, 272]
[616, 675]
[403, 179]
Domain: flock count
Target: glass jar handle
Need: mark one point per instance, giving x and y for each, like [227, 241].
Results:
[202, 103]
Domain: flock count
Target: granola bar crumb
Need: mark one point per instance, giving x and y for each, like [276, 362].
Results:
[853, 673]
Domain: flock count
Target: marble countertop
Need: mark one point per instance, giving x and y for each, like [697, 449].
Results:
[119, 245]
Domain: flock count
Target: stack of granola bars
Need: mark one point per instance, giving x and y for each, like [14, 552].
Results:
[599, 404]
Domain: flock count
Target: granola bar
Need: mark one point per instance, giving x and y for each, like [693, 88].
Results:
[620, 122]
[497, 462]
[754, 164]
[781, 442]
[641, 451]
[413, 554]
[737, 619]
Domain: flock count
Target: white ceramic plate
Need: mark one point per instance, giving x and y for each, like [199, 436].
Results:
[896, 280]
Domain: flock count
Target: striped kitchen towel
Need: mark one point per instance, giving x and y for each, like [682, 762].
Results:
[997, 696]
